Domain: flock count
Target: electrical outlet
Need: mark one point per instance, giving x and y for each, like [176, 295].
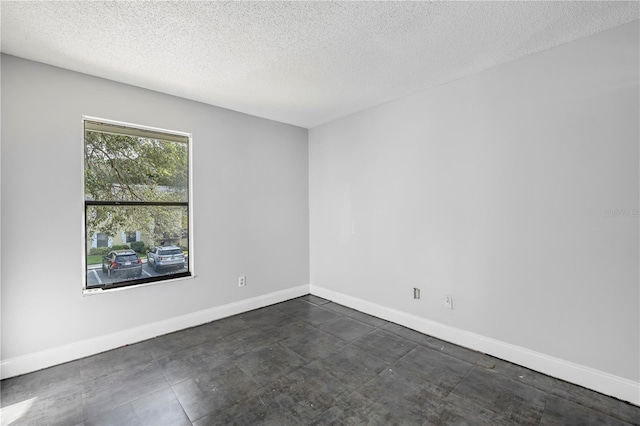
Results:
[448, 302]
[242, 281]
[416, 293]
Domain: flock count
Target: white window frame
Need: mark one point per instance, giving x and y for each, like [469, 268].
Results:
[93, 291]
[125, 237]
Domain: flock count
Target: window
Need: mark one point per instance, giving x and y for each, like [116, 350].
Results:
[102, 240]
[135, 178]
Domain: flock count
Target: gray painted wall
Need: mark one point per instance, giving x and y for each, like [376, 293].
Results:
[250, 207]
[496, 189]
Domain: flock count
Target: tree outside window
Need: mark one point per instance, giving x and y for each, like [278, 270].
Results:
[134, 179]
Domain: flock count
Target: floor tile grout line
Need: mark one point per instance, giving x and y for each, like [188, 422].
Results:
[482, 368]
[612, 414]
[547, 394]
[140, 396]
[191, 421]
[180, 403]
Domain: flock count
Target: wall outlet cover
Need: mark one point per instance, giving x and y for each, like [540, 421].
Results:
[448, 302]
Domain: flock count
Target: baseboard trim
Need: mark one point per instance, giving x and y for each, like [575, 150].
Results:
[600, 381]
[47, 358]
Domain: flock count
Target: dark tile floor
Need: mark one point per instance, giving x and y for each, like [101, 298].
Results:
[305, 361]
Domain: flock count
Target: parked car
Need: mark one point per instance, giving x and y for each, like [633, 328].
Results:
[122, 262]
[165, 257]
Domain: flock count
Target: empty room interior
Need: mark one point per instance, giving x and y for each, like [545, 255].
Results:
[320, 213]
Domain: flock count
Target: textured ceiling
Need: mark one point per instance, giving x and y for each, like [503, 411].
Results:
[303, 63]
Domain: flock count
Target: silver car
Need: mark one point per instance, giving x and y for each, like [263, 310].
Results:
[165, 257]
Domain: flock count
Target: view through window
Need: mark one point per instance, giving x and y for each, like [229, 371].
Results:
[136, 185]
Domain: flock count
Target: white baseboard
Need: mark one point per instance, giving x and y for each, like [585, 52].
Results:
[47, 358]
[591, 378]
[600, 381]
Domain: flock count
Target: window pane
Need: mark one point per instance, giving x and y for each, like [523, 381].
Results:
[166, 252]
[131, 168]
[102, 239]
[166, 227]
[126, 257]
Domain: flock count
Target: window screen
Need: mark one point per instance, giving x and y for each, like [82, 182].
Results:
[136, 197]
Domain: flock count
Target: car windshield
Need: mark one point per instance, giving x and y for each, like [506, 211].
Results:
[170, 251]
[126, 257]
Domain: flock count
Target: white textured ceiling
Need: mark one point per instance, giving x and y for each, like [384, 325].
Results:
[303, 63]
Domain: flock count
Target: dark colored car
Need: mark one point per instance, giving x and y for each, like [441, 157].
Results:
[122, 263]
[165, 257]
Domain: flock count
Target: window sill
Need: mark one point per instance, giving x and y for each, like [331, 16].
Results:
[103, 290]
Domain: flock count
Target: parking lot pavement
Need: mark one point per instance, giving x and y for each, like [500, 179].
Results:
[95, 276]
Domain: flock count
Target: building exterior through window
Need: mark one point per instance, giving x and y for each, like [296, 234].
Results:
[136, 197]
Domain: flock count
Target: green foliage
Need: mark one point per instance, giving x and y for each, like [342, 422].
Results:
[138, 246]
[94, 260]
[120, 247]
[128, 168]
[99, 251]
